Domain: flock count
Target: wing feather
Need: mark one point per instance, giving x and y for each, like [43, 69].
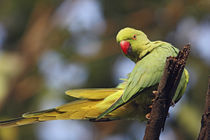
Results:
[92, 94]
[146, 73]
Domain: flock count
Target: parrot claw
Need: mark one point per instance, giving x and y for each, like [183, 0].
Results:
[148, 116]
[150, 106]
[155, 92]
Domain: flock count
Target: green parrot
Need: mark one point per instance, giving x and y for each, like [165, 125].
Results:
[130, 99]
[150, 58]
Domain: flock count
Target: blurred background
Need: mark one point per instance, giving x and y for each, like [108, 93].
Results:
[50, 46]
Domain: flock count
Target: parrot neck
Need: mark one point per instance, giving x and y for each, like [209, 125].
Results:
[150, 48]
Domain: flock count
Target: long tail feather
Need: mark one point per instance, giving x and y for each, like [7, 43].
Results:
[31, 117]
[85, 109]
[80, 110]
[18, 122]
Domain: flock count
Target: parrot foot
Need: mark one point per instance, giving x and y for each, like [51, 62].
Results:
[148, 116]
[150, 106]
[155, 92]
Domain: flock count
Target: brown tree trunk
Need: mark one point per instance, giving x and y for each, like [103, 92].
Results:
[167, 87]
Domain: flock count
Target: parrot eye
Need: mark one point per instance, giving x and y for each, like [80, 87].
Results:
[134, 37]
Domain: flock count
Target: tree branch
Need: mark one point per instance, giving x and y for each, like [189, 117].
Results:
[205, 122]
[166, 90]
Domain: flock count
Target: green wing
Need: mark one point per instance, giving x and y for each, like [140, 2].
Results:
[182, 86]
[145, 74]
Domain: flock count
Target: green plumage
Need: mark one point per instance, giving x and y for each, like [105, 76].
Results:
[130, 99]
[149, 66]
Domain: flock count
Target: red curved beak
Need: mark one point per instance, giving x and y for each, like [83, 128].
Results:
[124, 46]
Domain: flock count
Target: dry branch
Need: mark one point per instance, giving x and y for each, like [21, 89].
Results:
[205, 122]
[166, 90]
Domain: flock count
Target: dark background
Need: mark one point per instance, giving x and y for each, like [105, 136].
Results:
[50, 46]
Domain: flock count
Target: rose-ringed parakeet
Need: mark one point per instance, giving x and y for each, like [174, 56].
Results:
[150, 58]
[130, 99]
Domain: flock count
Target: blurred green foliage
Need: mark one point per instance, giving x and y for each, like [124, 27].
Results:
[47, 47]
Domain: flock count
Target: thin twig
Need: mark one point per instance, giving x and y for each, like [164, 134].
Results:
[205, 122]
[168, 84]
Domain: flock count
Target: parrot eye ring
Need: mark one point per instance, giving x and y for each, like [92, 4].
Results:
[134, 37]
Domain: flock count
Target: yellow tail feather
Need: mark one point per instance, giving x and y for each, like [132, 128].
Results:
[80, 110]
[17, 122]
[95, 101]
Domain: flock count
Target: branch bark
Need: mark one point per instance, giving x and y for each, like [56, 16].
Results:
[205, 122]
[168, 84]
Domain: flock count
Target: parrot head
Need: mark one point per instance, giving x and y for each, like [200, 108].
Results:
[132, 42]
